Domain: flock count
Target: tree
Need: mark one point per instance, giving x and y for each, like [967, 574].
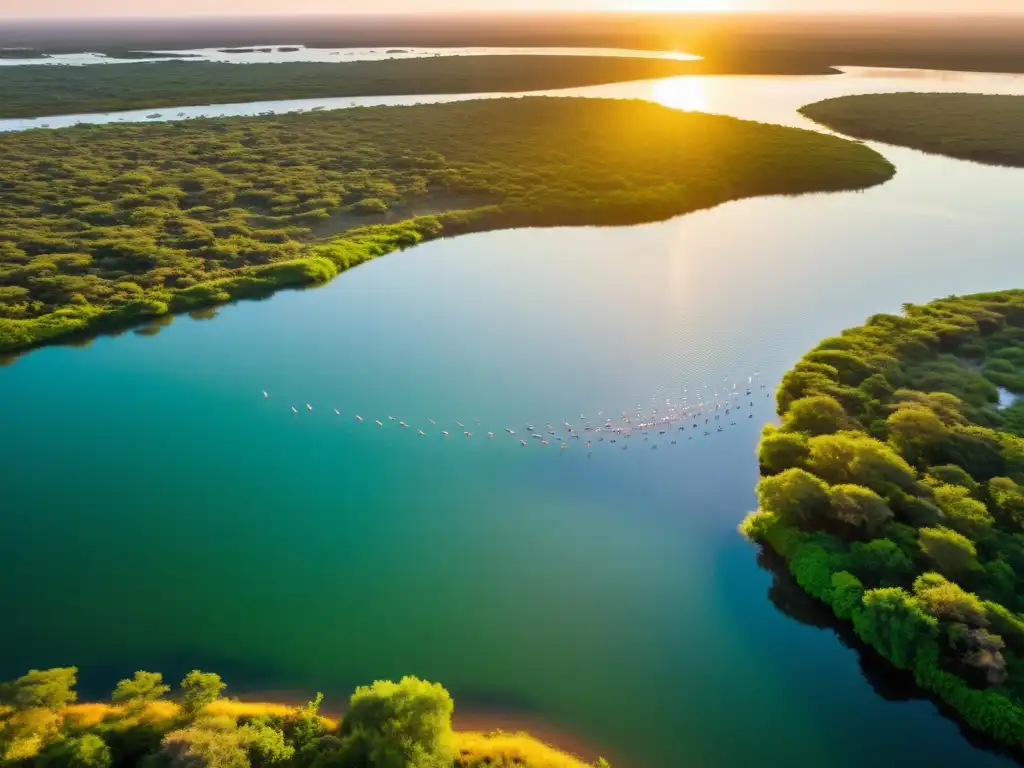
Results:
[891, 622]
[816, 415]
[1008, 499]
[199, 689]
[204, 748]
[859, 508]
[400, 725]
[847, 592]
[915, 431]
[880, 562]
[945, 600]
[953, 553]
[851, 457]
[780, 450]
[86, 751]
[796, 496]
[46, 688]
[144, 687]
[266, 746]
[964, 514]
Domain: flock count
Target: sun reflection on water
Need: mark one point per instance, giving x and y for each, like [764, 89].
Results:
[688, 93]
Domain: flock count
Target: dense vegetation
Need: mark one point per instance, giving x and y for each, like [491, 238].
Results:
[894, 488]
[387, 725]
[969, 126]
[110, 225]
[33, 90]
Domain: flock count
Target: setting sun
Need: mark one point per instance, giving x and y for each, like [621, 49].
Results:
[682, 5]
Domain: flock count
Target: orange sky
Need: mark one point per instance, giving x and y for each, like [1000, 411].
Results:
[66, 8]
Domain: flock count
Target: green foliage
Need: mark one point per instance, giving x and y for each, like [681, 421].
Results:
[211, 747]
[143, 687]
[892, 622]
[861, 509]
[199, 689]
[108, 226]
[266, 746]
[847, 592]
[947, 601]
[45, 689]
[780, 450]
[86, 751]
[815, 415]
[926, 465]
[880, 562]
[400, 725]
[951, 552]
[967, 126]
[795, 496]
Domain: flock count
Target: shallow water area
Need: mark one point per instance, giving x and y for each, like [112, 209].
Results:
[167, 515]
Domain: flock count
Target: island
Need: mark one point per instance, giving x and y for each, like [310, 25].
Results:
[893, 487]
[40, 90]
[108, 226]
[968, 126]
[407, 723]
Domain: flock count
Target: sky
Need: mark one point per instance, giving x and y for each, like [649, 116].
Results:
[101, 8]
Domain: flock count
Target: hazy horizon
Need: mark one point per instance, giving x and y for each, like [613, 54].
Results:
[128, 9]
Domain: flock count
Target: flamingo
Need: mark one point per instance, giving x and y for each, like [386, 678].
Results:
[379, 423]
[468, 434]
[294, 409]
[422, 433]
[359, 418]
[490, 434]
[309, 407]
[403, 425]
[337, 412]
[522, 442]
[445, 434]
[265, 395]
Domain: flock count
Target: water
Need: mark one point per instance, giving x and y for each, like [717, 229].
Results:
[161, 514]
[334, 55]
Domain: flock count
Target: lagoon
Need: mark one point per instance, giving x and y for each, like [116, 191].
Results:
[159, 513]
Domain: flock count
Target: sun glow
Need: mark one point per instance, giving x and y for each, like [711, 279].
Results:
[682, 5]
[688, 93]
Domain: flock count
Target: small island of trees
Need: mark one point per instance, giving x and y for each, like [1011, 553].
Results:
[894, 489]
[387, 725]
[968, 126]
[109, 226]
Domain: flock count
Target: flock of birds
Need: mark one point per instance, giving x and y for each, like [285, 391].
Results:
[673, 420]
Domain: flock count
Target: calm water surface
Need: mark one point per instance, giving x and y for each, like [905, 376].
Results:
[158, 513]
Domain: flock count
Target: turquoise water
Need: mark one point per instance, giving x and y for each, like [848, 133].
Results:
[159, 513]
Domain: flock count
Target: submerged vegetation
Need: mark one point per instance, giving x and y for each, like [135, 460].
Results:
[31, 91]
[107, 226]
[387, 725]
[894, 489]
[968, 126]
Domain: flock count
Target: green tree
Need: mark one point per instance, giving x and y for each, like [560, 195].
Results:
[946, 600]
[400, 725]
[199, 689]
[891, 622]
[265, 745]
[204, 748]
[950, 474]
[859, 508]
[881, 562]
[86, 751]
[142, 688]
[780, 450]
[951, 552]
[816, 415]
[1007, 499]
[854, 458]
[847, 592]
[964, 514]
[796, 496]
[915, 432]
[45, 688]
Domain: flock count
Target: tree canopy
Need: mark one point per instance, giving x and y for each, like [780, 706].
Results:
[921, 544]
[102, 226]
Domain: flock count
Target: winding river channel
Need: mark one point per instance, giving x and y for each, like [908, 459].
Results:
[159, 513]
